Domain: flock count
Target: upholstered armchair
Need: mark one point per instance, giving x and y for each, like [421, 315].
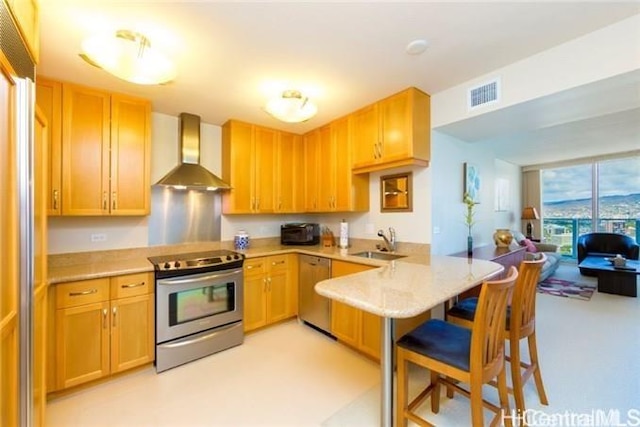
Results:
[605, 245]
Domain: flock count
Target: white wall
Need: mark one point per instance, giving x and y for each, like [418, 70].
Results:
[447, 213]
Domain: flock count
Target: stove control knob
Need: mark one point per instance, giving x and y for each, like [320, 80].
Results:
[177, 264]
[228, 257]
[236, 256]
[167, 266]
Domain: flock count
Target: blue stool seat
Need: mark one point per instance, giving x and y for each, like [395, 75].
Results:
[442, 341]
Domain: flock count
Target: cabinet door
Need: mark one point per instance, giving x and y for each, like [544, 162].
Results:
[49, 101]
[39, 355]
[344, 193]
[85, 151]
[325, 164]
[366, 136]
[255, 306]
[132, 332]
[345, 323]
[395, 118]
[279, 299]
[27, 16]
[265, 161]
[311, 160]
[9, 250]
[237, 167]
[370, 338]
[290, 159]
[82, 335]
[130, 156]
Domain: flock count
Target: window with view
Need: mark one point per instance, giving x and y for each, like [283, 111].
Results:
[600, 196]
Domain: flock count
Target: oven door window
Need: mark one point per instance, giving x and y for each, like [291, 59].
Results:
[192, 304]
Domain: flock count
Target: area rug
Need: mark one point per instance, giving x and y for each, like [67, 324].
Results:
[566, 288]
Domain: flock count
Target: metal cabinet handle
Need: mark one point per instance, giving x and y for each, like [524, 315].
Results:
[113, 201]
[104, 318]
[132, 285]
[87, 292]
[104, 201]
[249, 267]
[269, 284]
[277, 262]
[114, 311]
[55, 199]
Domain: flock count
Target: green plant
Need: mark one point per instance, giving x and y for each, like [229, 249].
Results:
[468, 218]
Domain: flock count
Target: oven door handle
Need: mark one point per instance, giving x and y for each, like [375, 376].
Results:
[190, 341]
[189, 280]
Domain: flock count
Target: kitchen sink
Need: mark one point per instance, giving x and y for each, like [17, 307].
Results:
[385, 256]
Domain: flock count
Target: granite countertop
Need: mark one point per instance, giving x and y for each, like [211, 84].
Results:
[92, 265]
[410, 286]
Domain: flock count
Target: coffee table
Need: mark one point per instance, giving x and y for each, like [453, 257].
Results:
[614, 280]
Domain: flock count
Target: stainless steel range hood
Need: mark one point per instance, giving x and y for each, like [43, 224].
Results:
[189, 173]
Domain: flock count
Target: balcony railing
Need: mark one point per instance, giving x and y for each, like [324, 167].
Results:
[564, 232]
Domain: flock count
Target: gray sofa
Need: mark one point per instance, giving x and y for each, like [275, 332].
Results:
[549, 249]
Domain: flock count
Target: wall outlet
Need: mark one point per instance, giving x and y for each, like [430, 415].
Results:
[98, 237]
[436, 230]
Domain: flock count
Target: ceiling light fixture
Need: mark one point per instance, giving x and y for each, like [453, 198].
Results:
[416, 47]
[291, 107]
[128, 55]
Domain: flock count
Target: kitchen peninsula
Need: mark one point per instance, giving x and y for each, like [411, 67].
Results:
[401, 290]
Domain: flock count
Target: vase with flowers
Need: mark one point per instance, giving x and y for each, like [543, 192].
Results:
[469, 220]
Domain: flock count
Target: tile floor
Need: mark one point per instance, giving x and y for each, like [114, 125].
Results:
[291, 375]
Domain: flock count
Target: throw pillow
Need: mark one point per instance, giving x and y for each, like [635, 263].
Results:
[530, 246]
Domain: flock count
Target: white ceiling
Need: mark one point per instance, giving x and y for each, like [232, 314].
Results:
[231, 55]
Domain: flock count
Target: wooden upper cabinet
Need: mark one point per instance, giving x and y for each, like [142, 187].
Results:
[330, 183]
[289, 197]
[130, 155]
[105, 153]
[27, 15]
[249, 155]
[393, 132]
[49, 101]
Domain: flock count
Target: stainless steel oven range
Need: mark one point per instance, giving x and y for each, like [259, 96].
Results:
[198, 305]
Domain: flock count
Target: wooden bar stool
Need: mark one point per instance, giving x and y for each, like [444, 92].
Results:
[456, 354]
[521, 324]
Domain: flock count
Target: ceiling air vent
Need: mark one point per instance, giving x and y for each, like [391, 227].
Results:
[486, 93]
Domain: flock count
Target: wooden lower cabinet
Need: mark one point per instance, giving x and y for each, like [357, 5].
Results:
[102, 326]
[358, 328]
[270, 290]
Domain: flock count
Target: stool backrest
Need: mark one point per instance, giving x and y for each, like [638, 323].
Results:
[487, 334]
[523, 303]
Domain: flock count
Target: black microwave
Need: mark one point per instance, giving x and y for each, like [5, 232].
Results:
[300, 233]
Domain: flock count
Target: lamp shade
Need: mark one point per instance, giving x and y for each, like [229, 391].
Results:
[129, 56]
[291, 107]
[530, 213]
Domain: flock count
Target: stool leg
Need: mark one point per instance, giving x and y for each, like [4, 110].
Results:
[516, 375]
[435, 394]
[503, 393]
[403, 389]
[533, 356]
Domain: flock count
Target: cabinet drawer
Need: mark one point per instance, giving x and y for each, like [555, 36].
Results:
[74, 294]
[255, 266]
[131, 285]
[278, 262]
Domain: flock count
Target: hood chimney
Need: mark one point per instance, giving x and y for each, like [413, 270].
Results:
[189, 173]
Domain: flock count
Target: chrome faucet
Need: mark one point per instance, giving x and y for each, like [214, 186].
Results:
[390, 243]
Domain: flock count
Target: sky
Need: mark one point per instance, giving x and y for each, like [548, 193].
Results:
[617, 177]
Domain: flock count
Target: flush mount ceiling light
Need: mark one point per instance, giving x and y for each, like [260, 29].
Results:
[291, 107]
[416, 47]
[129, 56]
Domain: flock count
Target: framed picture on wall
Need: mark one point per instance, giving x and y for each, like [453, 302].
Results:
[472, 181]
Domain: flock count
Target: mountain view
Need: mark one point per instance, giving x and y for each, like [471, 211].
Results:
[611, 207]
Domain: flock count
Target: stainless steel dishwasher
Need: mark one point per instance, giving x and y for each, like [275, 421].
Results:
[314, 309]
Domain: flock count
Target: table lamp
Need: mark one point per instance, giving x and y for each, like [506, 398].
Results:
[529, 213]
